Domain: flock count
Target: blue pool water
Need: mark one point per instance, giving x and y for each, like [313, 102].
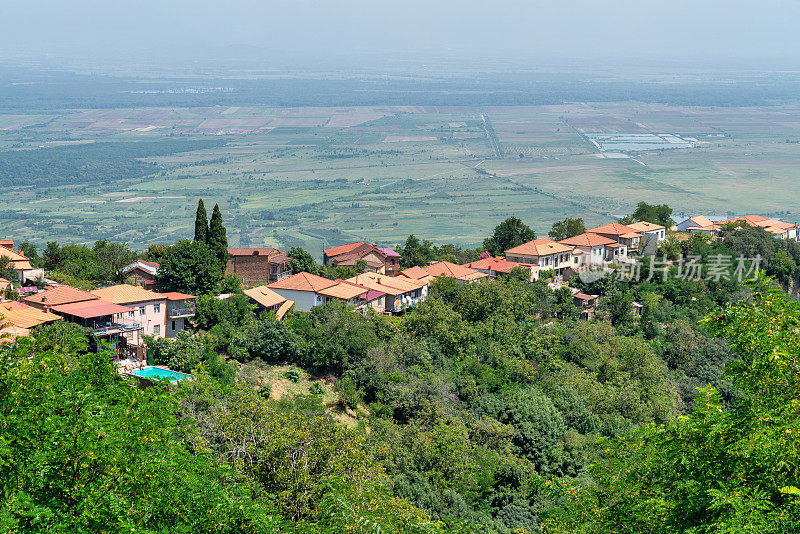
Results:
[159, 374]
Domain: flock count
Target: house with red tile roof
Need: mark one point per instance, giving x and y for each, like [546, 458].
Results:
[349, 255]
[305, 289]
[57, 295]
[258, 266]
[621, 233]
[150, 309]
[645, 228]
[268, 300]
[543, 253]
[401, 292]
[444, 269]
[596, 250]
[109, 322]
[495, 267]
[308, 290]
[19, 262]
[779, 229]
[142, 273]
[180, 309]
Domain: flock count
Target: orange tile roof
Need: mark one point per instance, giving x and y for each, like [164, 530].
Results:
[175, 295]
[771, 225]
[451, 270]
[59, 295]
[343, 291]
[24, 316]
[386, 284]
[614, 229]
[499, 265]
[701, 220]
[283, 308]
[302, 282]
[644, 226]
[254, 251]
[588, 239]
[264, 296]
[17, 260]
[343, 249]
[539, 247]
[414, 272]
[127, 294]
[9, 332]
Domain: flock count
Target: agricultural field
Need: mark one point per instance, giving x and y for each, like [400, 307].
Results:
[322, 176]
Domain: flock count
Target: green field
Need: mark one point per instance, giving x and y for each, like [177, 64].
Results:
[314, 176]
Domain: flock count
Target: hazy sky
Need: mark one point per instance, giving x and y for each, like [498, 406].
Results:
[529, 30]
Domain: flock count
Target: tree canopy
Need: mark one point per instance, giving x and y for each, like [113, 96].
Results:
[189, 267]
[567, 228]
[508, 234]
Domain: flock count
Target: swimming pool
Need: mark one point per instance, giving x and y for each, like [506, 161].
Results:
[158, 373]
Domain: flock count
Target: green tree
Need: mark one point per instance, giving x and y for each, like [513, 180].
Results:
[30, 252]
[154, 252]
[217, 240]
[724, 467]
[415, 253]
[84, 451]
[508, 234]
[302, 261]
[567, 228]
[652, 213]
[201, 232]
[189, 267]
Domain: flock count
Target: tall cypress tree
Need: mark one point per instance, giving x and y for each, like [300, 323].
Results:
[217, 239]
[201, 223]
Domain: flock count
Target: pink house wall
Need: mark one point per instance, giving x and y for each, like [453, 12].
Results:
[149, 319]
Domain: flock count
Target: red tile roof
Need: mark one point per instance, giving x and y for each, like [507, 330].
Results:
[451, 270]
[614, 229]
[174, 295]
[253, 251]
[302, 282]
[588, 239]
[343, 249]
[264, 296]
[91, 309]
[498, 265]
[539, 247]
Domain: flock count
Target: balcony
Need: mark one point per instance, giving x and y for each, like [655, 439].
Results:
[180, 312]
[108, 329]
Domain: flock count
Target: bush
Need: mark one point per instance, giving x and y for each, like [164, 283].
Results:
[317, 389]
[293, 374]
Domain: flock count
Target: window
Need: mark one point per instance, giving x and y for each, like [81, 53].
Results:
[157, 330]
[141, 310]
[576, 259]
[173, 325]
[130, 313]
[156, 308]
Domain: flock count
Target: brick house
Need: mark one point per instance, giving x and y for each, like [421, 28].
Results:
[143, 273]
[377, 260]
[258, 266]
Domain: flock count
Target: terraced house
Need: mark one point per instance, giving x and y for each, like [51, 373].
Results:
[544, 254]
[149, 309]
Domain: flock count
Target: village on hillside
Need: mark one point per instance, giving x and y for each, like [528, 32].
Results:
[126, 315]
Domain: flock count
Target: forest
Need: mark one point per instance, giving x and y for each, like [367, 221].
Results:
[489, 407]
